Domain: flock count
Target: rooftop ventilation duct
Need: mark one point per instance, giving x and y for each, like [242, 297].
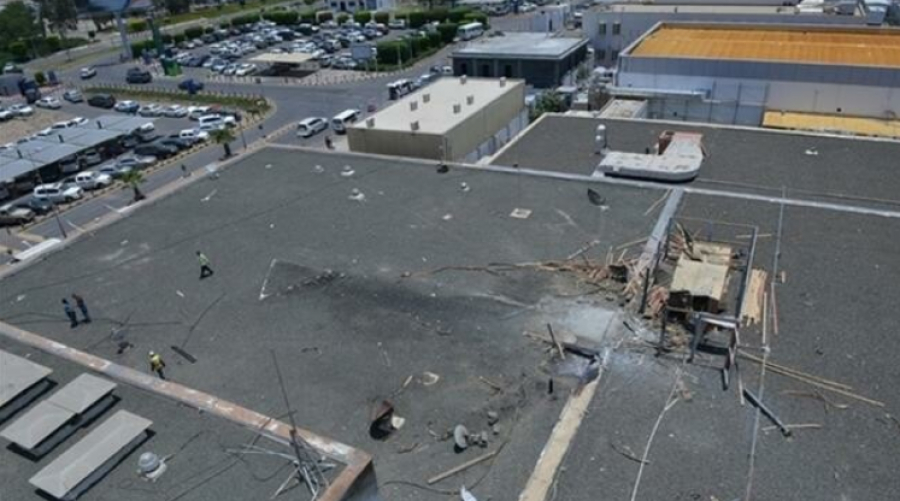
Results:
[370, 122]
[502, 81]
[413, 105]
[470, 100]
[414, 126]
[457, 108]
[462, 80]
[426, 98]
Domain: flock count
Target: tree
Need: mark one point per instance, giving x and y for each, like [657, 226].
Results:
[17, 22]
[134, 179]
[309, 3]
[60, 14]
[224, 137]
[548, 102]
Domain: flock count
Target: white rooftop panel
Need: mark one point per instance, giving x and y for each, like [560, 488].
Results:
[17, 375]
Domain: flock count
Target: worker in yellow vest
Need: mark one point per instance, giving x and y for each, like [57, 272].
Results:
[157, 365]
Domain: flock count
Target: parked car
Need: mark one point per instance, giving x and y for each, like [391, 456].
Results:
[138, 76]
[88, 72]
[102, 101]
[190, 85]
[128, 106]
[193, 135]
[175, 111]
[90, 157]
[37, 205]
[12, 215]
[195, 112]
[155, 149]
[48, 102]
[176, 142]
[77, 121]
[150, 110]
[69, 165]
[6, 114]
[57, 193]
[73, 96]
[216, 122]
[90, 180]
[397, 24]
[135, 162]
[21, 110]
[311, 126]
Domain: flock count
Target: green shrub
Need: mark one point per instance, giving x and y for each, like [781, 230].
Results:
[458, 14]
[417, 19]
[389, 52]
[325, 16]
[362, 17]
[137, 26]
[308, 17]
[18, 49]
[419, 45]
[51, 44]
[447, 31]
[438, 15]
[245, 19]
[382, 17]
[40, 78]
[193, 32]
[166, 38]
[179, 38]
[435, 39]
[282, 18]
[342, 18]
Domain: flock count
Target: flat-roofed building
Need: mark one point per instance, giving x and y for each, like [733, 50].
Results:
[452, 119]
[543, 60]
[735, 73]
[612, 27]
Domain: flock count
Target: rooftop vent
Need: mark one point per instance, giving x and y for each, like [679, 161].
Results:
[370, 122]
[470, 99]
[414, 126]
[426, 98]
[457, 108]
[502, 81]
[462, 80]
[413, 105]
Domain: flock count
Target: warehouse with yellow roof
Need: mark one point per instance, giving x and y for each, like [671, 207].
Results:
[736, 73]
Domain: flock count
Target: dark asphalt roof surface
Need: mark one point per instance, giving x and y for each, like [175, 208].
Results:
[808, 166]
[356, 300]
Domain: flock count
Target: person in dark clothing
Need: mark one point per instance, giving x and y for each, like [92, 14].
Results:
[205, 269]
[79, 302]
[70, 313]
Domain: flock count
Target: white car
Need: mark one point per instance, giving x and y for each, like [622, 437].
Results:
[90, 180]
[175, 111]
[151, 110]
[57, 193]
[311, 126]
[88, 72]
[77, 121]
[193, 135]
[21, 110]
[127, 106]
[216, 122]
[44, 133]
[245, 69]
[195, 112]
[48, 102]
[527, 7]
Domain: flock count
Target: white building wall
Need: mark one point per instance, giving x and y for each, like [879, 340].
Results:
[731, 100]
[611, 32]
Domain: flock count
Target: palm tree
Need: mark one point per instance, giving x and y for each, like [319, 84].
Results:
[224, 137]
[134, 178]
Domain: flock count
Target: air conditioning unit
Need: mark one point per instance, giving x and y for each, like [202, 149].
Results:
[370, 122]
[426, 98]
[462, 80]
[413, 106]
[414, 126]
[502, 81]
[457, 108]
[470, 100]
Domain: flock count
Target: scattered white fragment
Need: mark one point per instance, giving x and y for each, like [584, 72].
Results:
[447, 217]
[268, 166]
[347, 171]
[812, 151]
[208, 197]
[180, 294]
[357, 195]
[464, 186]
[429, 378]
[20, 297]
[520, 213]
[123, 242]
[465, 495]
[318, 169]
[272, 226]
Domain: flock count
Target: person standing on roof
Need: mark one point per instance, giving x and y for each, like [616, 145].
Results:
[79, 302]
[73, 319]
[205, 269]
[157, 365]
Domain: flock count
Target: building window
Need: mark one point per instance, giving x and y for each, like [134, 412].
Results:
[601, 54]
[615, 55]
[486, 70]
[617, 28]
[602, 30]
[507, 70]
[464, 69]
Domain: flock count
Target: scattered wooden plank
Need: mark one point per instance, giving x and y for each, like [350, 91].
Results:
[463, 467]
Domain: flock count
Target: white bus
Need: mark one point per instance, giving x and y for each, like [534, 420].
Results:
[470, 31]
[340, 121]
[399, 88]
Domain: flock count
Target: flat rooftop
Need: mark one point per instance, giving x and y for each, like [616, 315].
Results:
[697, 9]
[874, 47]
[361, 300]
[521, 45]
[437, 116]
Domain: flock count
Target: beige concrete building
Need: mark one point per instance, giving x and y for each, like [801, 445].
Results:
[454, 119]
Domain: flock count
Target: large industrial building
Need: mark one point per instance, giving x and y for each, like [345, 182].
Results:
[736, 73]
[452, 119]
[543, 60]
[613, 27]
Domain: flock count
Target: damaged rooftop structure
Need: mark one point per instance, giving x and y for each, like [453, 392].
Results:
[561, 320]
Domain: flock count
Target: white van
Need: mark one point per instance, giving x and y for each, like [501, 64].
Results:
[469, 31]
[90, 180]
[340, 121]
[57, 193]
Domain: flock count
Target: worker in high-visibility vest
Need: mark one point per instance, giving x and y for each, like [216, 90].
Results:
[157, 365]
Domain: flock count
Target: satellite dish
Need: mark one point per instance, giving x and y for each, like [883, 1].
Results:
[461, 436]
[595, 198]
